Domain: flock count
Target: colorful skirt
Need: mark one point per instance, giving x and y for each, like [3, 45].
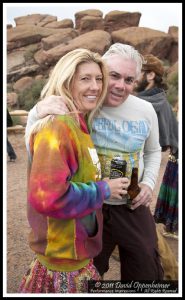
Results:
[39, 279]
[166, 210]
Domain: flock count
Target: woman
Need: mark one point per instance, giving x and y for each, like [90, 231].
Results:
[166, 210]
[65, 193]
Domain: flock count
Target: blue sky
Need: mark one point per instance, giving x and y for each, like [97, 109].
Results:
[157, 16]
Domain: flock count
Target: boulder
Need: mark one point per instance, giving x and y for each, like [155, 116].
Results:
[145, 40]
[28, 34]
[15, 60]
[116, 20]
[17, 74]
[66, 23]
[173, 31]
[63, 37]
[39, 77]
[89, 23]
[23, 83]
[88, 12]
[8, 26]
[96, 40]
[12, 99]
[173, 55]
[34, 19]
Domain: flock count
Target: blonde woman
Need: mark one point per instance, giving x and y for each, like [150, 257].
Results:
[65, 191]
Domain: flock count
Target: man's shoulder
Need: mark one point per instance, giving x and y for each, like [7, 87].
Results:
[139, 101]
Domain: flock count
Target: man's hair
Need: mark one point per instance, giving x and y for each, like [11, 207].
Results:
[127, 52]
[154, 64]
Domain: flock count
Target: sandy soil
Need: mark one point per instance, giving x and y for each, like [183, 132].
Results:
[19, 255]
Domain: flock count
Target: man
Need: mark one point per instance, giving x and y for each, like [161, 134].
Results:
[151, 87]
[127, 127]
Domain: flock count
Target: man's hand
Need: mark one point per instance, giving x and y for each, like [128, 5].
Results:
[52, 105]
[144, 197]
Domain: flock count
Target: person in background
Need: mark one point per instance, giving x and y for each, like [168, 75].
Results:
[10, 150]
[152, 88]
[126, 126]
[65, 191]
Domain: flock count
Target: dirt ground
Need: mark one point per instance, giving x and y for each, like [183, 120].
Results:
[19, 255]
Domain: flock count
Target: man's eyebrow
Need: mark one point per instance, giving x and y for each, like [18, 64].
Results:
[114, 72]
[130, 77]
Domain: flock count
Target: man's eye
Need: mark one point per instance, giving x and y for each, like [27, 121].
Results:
[129, 80]
[99, 79]
[114, 76]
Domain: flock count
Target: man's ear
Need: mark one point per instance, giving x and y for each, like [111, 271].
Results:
[150, 76]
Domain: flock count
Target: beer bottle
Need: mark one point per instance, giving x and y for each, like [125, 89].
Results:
[133, 189]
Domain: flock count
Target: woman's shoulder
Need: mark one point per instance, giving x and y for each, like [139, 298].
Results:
[64, 123]
[62, 120]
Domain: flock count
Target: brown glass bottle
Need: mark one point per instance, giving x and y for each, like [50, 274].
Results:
[133, 189]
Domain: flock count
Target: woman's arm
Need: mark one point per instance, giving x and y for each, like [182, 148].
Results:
[51, 191]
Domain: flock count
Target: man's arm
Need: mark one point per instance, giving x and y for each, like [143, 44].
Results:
[52, 105]
[152, 160]
[32, 118]
[152, 154]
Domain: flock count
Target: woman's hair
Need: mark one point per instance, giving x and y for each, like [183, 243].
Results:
[127, 52]
[60, 80]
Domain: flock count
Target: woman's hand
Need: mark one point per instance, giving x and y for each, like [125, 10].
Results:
[51, 105]
[118, 187]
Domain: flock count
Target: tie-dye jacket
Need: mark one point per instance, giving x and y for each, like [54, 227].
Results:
[65, 195]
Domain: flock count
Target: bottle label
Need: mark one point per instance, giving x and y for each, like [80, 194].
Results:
[118, 168]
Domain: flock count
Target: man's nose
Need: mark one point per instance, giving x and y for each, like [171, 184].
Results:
[120, 84]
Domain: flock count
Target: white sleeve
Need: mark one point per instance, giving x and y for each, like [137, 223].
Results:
[32, 118]
[152, 153]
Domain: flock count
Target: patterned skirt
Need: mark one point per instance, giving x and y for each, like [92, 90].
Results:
[39, 279]
[166, 210]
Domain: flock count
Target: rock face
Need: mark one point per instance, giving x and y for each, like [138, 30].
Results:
[23, 83]
[96, 40]
[12, 99]
[59, 38]
[89, 12]
[145, 40]
[35, 19]
[38, 41]
[116, 20]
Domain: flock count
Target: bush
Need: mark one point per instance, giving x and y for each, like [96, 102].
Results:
[172, 93]
[16, 120]
[29, 54]
[10, 87]
[30, 96]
